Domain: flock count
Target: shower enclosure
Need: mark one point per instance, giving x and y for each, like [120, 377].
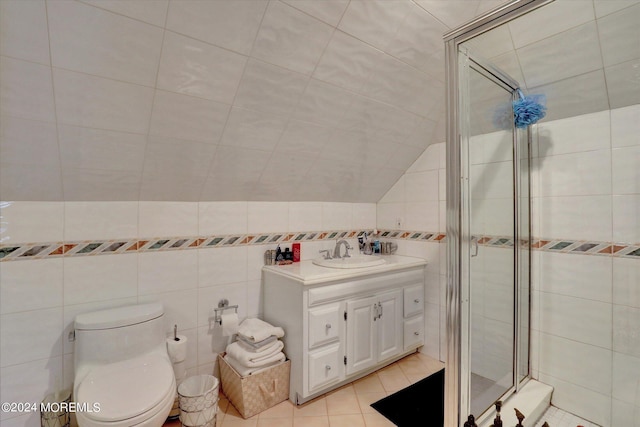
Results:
[488, 229]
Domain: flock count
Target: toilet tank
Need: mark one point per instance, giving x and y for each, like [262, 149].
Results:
[120, 333]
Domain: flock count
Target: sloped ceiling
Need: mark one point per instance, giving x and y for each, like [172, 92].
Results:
[328, 100]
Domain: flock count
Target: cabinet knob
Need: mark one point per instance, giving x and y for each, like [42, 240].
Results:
[328, 326]
[416, 333]
[328, 367]
[416, 300]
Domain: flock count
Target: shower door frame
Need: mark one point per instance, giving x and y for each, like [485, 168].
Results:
[458, 245]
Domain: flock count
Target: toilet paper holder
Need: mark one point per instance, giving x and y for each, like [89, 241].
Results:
[223, 305]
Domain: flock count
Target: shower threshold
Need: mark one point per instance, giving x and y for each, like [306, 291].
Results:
[532, 400]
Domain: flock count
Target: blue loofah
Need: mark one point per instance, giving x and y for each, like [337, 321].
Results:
[528, 110]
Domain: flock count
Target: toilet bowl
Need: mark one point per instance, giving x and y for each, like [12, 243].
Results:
[123, 374]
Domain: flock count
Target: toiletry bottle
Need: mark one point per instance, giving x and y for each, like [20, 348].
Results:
[296, 252]
[288, 255]
[279, 255]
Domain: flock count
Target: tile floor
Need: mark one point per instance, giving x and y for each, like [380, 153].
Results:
[347, 406]
[556, 417]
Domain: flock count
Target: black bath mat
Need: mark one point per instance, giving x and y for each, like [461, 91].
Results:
[420, 404]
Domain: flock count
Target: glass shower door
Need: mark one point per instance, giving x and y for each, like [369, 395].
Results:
[488, 143]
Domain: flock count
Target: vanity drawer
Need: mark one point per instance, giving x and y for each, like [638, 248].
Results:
[325, 366]
[413, 332]
[413, 300]
[324, 324]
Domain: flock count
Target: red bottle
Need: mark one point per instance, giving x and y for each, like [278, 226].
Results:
[296, 252]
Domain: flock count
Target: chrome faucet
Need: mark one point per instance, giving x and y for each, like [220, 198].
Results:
[336, 251]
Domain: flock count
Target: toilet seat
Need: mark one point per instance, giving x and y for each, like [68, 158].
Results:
[126, 389]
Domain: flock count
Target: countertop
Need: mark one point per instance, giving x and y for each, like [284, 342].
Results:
[308, 273]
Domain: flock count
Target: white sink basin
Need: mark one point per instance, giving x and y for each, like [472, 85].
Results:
[352, 262]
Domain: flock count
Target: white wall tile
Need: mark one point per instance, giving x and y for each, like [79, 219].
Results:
[100, 278]
[23, 31]
[388, 214]
[617, 34]
[30, 335]
[581, 276]
[89, 184]
[336, 216]
[583, 217]
[625, 126]
[180, 308]
[626, 276]
[187, 117]
[363, 215]
[94, 41]
[626, 330]
[267, 217]
[167, 271]
[160, 219]
[209, 297]
[421, 186]
[30, 285]
[576, 174]
[254, 298]
[222, 218]
[290, 38]
[576, 134]
[20, 138]
[100, 220]
[626, 378]
[220, 266]
[305, 216]
[626, 218]
[229, 25]
[578, 319]
[29, 382]
[428, 160]
[590, 404]
[26, 90]
[192, 67]
[626, 174]
[90, 101]
[24, 222]
[422, 216]
[559, 357]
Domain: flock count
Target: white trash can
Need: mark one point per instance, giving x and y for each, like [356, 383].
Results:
[198, 400]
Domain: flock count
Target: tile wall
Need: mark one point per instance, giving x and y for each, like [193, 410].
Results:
[40, 297]
[586, 308]
[418, 202]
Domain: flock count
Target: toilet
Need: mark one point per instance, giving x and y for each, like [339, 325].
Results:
[123, 375]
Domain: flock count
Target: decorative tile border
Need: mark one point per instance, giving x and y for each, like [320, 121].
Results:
[22, 251]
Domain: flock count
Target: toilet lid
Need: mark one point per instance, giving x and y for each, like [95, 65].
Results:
[125, 389]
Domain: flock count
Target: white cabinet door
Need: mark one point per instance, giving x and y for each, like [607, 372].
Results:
[325, 367]
[389, 324]
[362, 336]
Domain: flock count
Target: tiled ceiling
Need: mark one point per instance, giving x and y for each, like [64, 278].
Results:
[582, 55]
[328, 100]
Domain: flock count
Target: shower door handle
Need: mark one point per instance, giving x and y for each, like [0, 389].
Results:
[474, 246]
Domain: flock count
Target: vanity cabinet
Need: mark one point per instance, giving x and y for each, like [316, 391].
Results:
[342, 325]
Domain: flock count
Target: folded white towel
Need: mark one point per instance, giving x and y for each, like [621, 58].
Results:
[255, 330]
[265, 349]
[256, 345]
[245, 371]
[254, 360]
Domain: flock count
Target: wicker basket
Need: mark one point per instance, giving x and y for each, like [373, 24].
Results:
[255, 393]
